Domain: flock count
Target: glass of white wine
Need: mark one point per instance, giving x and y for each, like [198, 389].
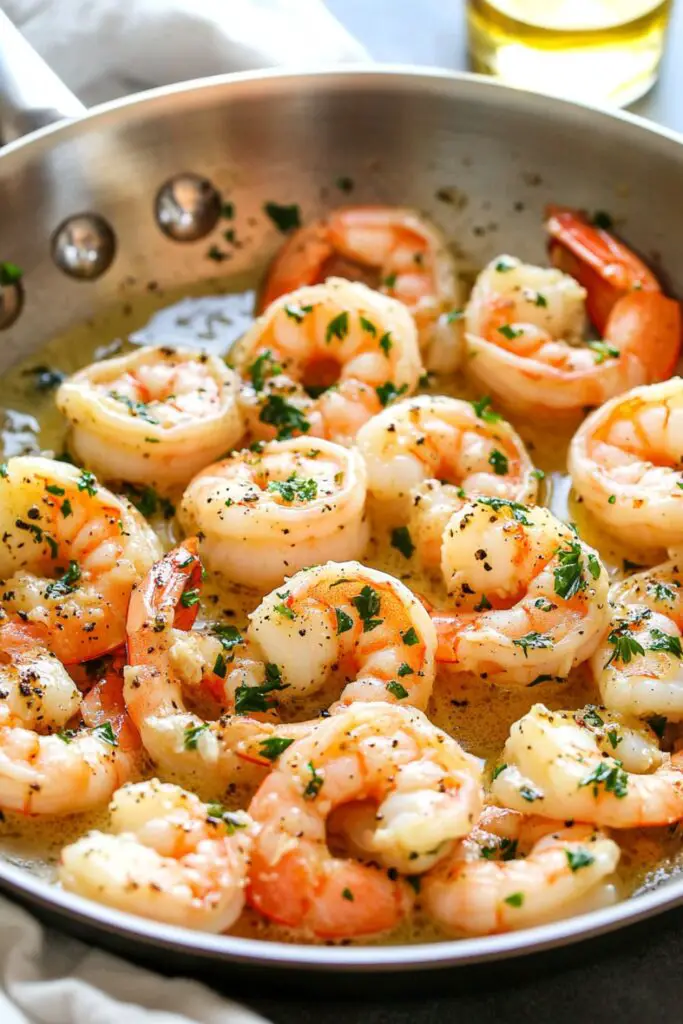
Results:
[600, 51]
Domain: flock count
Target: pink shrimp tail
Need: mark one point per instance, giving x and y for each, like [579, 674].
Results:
[606, 268]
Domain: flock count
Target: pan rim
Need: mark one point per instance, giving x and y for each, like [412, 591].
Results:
[19, 882]
[466, 80]
[339, 959]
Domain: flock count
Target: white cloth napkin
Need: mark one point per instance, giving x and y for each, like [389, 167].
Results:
[103, 49]
[52, 979]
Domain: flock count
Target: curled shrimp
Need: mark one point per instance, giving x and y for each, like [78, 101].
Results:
[154, 416]
[395, 250]
[638, 666]
[263, 515]
[169, 664]
[426, 454]
[529, 596]
[169, 857]
[70, 554]
[426, 791]
[514, 871]
[50, 762]
[591, 765]
[352, 347]
[358, 625]
[625, 463]
[525, 325]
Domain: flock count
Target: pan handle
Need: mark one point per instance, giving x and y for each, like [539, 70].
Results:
[31, 94]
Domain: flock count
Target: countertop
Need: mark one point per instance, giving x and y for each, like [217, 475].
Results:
[641, 978]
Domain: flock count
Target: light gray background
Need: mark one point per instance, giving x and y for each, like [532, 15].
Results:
[433, 32]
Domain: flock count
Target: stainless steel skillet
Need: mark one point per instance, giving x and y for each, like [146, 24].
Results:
[129, 194]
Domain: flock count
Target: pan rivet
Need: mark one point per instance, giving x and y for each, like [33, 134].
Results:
[187, 207]
[84, 246]
[11, 302]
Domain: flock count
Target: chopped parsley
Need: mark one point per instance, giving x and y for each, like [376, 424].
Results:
[497, 770]
[625, 646]
[569, 573]
[397, 690]
[591, 717]
[509, 332]
[338, 327]
[264, 366]
[229, 636]
[515, 899]
[518, 511]
[533, 641]
[285, 218]
[294, 488]
[297, 313]
[390, 280]
[249, 699]
[503, 265]
[455, 315]
[232, 821]
[530, 794]
[220, 667]
[498, 462]
[344, 621]
[611, 776]
[612, 499]
[661, 591]
[284, 416]
[138, 409]
[385, 343]
[189, 598]
[87, 482]
[484, 604]
[192, 734]
[66, 584]
[4, 472]
[314, 784]
[347, 895]
[603, 351]
[274, 746]
[405, 670]
[106, 734]
[367, 604]
[662, 641]
[482, 407]
[402, 541]
[10, 273]
[368, 326]
[410, 637]
[388, 392]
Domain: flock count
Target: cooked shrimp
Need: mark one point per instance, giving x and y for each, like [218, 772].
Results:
[426, 454]
[155, 416]
[167, 661]
[393, 249]
[70, 553]
[357, 624]
[514, 871]
[530, 597]
[426, 790]
[263, 515]
[169, 857]
[46, 765]
[352, 347]
[625, 461]
[525, 324]
[638, 666]
[592, 765]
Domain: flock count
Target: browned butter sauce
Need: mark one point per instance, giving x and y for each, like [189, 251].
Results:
[475, 712]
